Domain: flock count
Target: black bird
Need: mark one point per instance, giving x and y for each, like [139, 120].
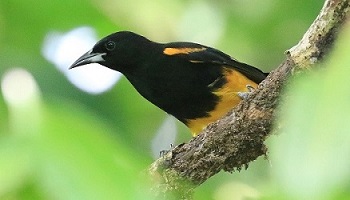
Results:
[195, 83]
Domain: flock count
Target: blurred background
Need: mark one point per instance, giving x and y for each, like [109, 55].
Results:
[86, 133]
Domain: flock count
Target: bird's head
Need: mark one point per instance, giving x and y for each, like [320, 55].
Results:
[119, 51]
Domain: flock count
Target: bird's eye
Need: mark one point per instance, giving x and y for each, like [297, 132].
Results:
[110, 45]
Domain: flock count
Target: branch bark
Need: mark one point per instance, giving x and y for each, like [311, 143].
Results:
[238, 138]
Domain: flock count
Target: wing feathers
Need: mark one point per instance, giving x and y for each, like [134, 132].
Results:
[196, 53]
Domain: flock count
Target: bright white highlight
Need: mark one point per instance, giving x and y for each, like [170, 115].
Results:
[19, 87]
[63, 49]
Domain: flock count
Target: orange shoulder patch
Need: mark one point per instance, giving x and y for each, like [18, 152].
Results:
[184, 50]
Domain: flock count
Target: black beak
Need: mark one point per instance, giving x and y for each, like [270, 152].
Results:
[87, 58]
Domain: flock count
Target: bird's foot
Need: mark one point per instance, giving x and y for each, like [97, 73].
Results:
[164, 152]
[244, 95]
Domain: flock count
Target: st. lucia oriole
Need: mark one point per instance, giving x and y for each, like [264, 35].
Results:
[195, 83]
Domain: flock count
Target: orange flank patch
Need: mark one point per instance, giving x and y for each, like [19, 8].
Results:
[184, 50]
[228, 94]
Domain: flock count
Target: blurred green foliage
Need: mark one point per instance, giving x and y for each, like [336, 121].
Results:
[68, 144]
[311, 154]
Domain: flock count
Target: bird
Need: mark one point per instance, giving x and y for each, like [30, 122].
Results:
[197, 84]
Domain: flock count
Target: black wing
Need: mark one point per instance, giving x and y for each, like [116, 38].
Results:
[197, 53]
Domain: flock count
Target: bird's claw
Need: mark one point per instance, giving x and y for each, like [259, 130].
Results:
[244, 95]
[164, 152]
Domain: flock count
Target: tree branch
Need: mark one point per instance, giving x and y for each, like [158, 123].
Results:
[238, 138]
